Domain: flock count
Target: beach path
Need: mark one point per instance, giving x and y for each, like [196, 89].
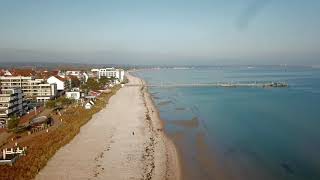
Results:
[110, 146]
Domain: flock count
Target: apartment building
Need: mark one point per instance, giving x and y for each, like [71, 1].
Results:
[12, 103]
[63, 84]
[110, 72]
[32, 88]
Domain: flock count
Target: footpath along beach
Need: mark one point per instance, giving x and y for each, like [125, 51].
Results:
[125, 140]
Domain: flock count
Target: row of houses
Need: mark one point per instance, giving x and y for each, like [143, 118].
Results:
[18, 87]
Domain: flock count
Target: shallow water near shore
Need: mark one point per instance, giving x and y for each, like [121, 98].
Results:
[242, 133]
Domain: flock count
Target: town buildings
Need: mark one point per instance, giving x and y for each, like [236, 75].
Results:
[32, 88]
[23, 89]
[79, 74]
[12, 103]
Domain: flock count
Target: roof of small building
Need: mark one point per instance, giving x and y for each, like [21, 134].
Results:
[46, 74]
[88, 103]
[59, 78]
[22, 72]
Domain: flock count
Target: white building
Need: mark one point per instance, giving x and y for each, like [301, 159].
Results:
[81, 75]
[46, 92]
[62, 83]
[12, 103]
[73, 73]
[73, 95]
[31, 88]
[85, 76]
[89, 105]
[110, 72]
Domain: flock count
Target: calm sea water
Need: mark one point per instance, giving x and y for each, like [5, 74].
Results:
[242, 133]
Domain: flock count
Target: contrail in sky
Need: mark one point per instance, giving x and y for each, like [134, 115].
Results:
[250, 13]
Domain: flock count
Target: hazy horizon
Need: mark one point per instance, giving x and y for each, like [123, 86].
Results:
[163, 32]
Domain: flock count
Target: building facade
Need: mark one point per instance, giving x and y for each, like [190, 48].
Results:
[110, 72]
[32, 88]
[62, 83]
[12, 103]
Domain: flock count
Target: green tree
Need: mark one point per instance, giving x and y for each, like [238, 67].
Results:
[51, 104]
[13, 122]
[75, 82]
[92, 84]
[103, 81]
[65, 101]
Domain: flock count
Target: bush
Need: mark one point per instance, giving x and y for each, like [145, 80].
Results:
[51, 104]
[65, 101]
[62, 101]
[13, 122]
[92, 84]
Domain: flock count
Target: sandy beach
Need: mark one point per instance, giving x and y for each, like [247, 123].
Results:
[125, 140]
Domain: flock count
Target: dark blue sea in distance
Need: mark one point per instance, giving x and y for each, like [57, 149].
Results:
[242, 133]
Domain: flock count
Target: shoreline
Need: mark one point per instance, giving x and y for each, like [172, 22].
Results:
[125, 140]
[173, 161]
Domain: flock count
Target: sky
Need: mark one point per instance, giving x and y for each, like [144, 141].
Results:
[161, 31]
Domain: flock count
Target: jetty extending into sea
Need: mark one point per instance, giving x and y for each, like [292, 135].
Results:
[226, 85]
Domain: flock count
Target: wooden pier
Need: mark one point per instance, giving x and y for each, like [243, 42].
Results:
[223, 85]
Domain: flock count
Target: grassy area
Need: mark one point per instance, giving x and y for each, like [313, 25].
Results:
[43, 146]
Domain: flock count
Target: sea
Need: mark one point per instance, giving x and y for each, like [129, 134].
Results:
[241, 133]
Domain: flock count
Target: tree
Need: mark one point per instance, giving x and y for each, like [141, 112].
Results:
[91, 84]
[61, 101]
[51, 104]
[75, 82]
[13, 122]
[65, 101]
[103, 81]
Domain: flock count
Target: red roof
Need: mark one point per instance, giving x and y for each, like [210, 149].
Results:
[61, 78]
[22, 72]
[46, 74]
[2, 72]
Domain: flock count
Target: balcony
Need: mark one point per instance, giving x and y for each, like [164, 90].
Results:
[7, 99]
[4, 112]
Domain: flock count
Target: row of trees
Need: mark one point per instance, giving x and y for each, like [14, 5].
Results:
[94, 84]
[62, 101]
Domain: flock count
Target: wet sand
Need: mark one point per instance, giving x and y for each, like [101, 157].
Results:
[193, 123]
[125, 140]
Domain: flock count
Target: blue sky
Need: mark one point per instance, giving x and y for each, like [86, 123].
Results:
[166, 31]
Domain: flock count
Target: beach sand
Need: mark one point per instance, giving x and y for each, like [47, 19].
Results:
[125, 140]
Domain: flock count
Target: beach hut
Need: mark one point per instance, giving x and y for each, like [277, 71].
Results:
[88, 105]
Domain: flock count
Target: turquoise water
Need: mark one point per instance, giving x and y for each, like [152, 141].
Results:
[243, 133]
